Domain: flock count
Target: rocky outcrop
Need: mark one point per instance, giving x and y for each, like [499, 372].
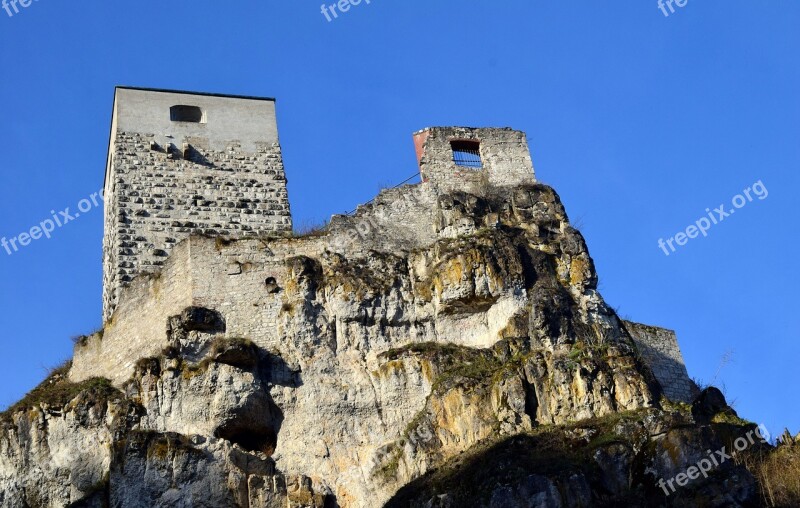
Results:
[475, 365]
[605, 462]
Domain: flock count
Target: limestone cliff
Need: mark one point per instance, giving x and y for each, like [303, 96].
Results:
[436, 349]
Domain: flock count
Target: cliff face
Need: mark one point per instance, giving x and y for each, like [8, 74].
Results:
[451, 351]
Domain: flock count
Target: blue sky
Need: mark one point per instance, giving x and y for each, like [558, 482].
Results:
[638, 120]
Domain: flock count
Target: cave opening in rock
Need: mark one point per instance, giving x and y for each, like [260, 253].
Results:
[263, 439]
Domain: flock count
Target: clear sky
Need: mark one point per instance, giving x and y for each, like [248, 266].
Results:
[640, 121]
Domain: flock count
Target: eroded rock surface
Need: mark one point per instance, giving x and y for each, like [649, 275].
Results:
[476, 364]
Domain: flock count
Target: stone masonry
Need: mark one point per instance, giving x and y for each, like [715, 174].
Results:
[504, 158]
[659, 349]
[182, 164]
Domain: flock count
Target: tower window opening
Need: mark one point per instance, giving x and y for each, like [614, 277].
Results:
[190, 114]
[467, 153]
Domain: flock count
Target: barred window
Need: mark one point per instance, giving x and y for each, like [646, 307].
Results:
[467, 153]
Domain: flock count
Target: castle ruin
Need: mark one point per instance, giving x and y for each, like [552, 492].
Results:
[197, 216]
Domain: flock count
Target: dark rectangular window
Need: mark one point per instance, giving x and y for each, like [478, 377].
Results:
[191, 114]
[467, 153]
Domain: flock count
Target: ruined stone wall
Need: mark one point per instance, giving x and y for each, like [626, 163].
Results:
[459, 308]
[659, 348]
[139, 325]
[411, 217]
[397, 219]
[505, 156]
[243, 280]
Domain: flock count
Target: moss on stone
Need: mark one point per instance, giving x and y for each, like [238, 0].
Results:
[731, 418]
[388, 471]
[461, 365]
[158, 445]
[189, 371]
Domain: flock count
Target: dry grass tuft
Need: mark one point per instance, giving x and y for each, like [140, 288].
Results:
[778, 473]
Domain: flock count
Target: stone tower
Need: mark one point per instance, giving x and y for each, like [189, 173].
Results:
[182, 164]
